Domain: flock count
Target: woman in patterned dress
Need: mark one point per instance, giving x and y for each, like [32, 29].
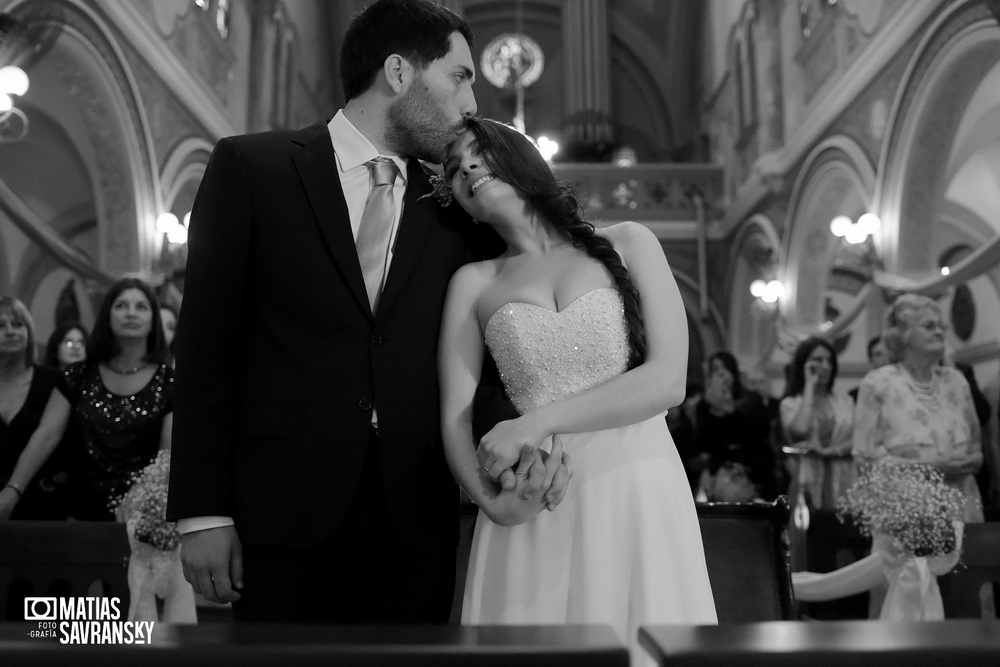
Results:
[916, 410]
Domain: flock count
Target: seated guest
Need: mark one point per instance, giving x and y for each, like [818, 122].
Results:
[916, 410]
[24, 391]
[119, 399]
[820, 421]
[732, 430]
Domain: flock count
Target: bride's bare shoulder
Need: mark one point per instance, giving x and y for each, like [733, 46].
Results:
[477, 275]
[626, 234]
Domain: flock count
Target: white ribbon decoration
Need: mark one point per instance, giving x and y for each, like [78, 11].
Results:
[154, 573]
[913, 590]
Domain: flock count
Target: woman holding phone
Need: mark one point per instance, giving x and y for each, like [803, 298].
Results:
[820, 421]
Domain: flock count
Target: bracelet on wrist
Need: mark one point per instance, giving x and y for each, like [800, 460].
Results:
[15, 488]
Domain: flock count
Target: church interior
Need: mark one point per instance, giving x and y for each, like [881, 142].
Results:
[802, 163]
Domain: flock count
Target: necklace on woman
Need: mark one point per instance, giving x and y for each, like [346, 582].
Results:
[127, 371]
[926, 392]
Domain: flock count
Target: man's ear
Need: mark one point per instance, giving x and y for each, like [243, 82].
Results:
[398, 72]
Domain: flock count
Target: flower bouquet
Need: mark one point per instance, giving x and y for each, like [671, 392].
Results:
[915, 521]
[154, 570]
[731, 484]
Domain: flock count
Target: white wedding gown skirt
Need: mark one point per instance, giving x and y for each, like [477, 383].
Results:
[624, 548]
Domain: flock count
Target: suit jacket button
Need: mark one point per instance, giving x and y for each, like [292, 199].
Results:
[376, 339]
[365, 404]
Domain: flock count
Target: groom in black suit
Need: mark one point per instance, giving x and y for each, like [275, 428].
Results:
[307, 467]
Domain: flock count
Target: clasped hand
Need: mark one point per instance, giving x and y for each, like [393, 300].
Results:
[509, 454]
[540, 482]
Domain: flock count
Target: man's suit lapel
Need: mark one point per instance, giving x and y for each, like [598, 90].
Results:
[420, 213]
[317, 168]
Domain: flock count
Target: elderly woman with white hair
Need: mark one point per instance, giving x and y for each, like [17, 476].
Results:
[916, 410]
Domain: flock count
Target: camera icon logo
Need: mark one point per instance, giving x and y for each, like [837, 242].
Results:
[40, 609]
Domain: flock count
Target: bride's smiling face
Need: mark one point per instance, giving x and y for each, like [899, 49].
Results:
[473, 185]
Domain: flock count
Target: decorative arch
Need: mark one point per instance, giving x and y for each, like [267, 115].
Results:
[941, 140]
[755, 254]
[836, 179]
[957, 53]
[85, 85]
[84, 89]
[182, 173]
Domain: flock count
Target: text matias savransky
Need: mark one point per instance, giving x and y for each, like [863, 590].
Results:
[84, 620]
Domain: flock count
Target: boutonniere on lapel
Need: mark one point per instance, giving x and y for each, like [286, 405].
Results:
[441, 190]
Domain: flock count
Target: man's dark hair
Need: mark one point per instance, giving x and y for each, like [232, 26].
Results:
[418, 30]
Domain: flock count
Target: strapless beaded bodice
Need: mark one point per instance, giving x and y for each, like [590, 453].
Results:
[545, 356]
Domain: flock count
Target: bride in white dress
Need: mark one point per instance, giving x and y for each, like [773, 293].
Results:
[591, 354]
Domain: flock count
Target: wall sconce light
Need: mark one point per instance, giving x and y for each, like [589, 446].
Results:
[13, 121]
[176, 232]
[173, 253]
[547, 148]
[13, 81]
[768, 292]
[855, 233]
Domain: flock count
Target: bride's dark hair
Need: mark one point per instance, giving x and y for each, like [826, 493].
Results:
[514, 160]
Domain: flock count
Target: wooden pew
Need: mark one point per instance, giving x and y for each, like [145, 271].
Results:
[60, 558]
[964, 643]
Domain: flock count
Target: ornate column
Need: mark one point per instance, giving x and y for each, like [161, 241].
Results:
[261, 73]
[769, 93]
[587, 66]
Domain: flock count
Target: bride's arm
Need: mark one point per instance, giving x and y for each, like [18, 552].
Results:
[460, 359]
[641, 393]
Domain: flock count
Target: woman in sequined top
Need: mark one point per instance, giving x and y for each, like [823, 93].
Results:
[119, 400]
[915, 410]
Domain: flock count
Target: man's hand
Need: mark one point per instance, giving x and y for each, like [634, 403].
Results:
[544, 473]
[213, 563]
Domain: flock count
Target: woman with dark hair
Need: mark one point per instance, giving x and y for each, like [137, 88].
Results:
[24, 391]
[733, 431]
[119, 401]
[67, 345]
[591, 354]
[820, 422]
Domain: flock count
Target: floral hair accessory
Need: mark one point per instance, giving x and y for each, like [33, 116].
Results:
[441, 191]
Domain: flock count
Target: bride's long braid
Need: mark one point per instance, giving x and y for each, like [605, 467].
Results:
[511, 156]
[565, 214]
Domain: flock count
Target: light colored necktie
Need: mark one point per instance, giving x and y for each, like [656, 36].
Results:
[376, 227]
